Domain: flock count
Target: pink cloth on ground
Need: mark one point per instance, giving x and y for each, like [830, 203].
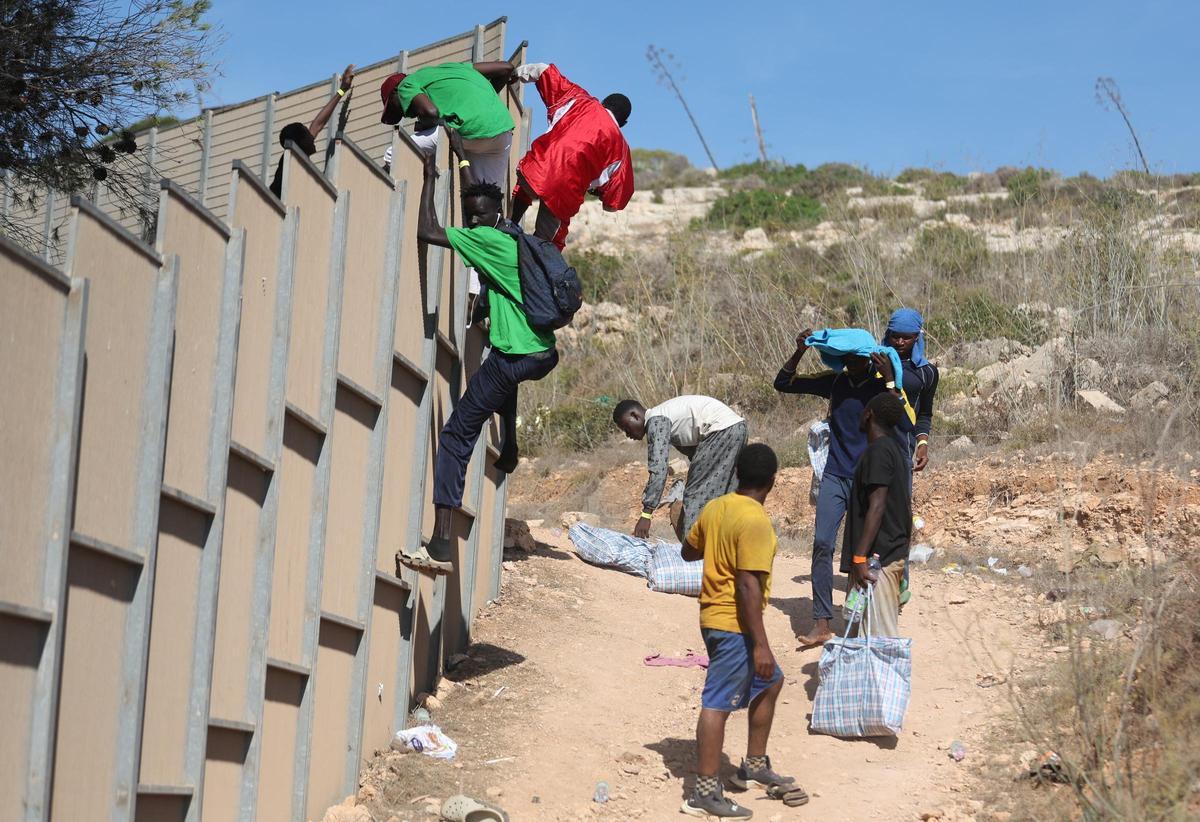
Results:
[689, 661]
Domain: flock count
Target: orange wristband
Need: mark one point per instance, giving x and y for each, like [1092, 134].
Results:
[858, 560]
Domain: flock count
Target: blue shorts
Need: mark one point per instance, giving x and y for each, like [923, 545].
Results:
[731, 683]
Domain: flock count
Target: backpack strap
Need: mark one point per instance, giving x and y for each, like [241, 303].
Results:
[513, 230]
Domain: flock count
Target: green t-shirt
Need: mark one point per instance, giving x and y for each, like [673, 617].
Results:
[463, 96]
[493, 254]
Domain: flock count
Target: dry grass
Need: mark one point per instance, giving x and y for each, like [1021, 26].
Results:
[1124, 714]
[723, 324]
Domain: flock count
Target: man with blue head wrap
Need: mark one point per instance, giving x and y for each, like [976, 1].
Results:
[906, 334]
[859, 368]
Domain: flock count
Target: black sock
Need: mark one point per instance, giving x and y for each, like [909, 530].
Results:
[707, 785]
[439, 549]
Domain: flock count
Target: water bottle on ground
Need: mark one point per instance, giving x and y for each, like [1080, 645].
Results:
[601, 795]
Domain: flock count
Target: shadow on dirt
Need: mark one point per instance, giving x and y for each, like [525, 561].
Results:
[483, 658]
[679, 757]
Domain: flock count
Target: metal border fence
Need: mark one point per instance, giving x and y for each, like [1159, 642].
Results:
[221, 428]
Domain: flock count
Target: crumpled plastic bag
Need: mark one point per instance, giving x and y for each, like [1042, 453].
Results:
[426, 739]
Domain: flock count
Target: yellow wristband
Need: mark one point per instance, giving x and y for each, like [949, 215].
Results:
[647, 516]
[464, 163]
[341, 92]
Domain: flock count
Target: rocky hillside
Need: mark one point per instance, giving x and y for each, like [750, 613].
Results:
[1055, 307]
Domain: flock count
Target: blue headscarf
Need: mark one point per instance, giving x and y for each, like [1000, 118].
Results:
[833, 344]
[909, 321]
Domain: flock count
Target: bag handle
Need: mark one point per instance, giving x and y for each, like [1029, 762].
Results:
[850, 625]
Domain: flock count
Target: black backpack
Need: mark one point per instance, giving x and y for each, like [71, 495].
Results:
[550, 288]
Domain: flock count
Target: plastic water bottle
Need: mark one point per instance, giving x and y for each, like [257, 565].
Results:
[852, 609]
[601, 794]
[856, 600]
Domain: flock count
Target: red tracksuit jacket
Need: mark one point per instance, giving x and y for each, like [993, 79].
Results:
[583, 149]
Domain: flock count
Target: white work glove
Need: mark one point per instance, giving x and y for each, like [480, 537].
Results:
[530, 72]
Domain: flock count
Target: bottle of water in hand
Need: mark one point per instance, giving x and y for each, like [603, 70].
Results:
[856, 600]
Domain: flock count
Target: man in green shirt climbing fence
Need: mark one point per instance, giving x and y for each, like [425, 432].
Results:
[518, 352]
[462, 96]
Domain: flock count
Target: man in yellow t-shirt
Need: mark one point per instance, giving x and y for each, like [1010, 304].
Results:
[736, 540]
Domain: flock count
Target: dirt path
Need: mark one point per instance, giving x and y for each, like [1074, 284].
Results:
[566, 644]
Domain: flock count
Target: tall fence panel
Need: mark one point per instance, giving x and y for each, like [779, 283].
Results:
[235, 728]
[43, 316]
[110, 565]
[191, 518]
[226, 437]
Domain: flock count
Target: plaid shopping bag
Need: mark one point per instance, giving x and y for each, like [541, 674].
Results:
[865, 685]
[603, 546]
[669, 573]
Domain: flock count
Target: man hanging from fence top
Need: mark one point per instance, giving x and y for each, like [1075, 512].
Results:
[859, 369]
[463, 97]
[879, 515]
[304, 137]
[582, 151]
[518, 352]
[707, 431]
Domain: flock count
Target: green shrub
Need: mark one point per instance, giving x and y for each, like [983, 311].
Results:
[977, 315]
[657, 169]
[773, 174]
[888, 212]
[937, 185]
[772, 210]
[1025, 185]
[599, 272]
[575, 424]
[915, 175]
[951, 251]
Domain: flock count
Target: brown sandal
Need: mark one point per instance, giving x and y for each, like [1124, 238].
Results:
[791, 795]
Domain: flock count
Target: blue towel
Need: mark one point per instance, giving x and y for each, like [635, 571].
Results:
[909, 321]
[834, 344]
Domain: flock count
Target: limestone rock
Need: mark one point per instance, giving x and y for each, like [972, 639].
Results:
[756, 239]
[1024, 376]
[975, 355]
[570, 518]
[516, 535]
[1100, 401]
[1153, 395]
[343, 813]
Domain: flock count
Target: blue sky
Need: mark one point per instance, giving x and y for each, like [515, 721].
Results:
[951, 85]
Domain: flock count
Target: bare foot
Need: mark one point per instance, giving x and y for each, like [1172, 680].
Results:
[820, 633]
[815, 637]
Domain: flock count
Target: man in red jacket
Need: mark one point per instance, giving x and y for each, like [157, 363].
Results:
[582, 151]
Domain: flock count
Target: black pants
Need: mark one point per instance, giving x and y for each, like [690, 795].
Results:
[493, 389]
